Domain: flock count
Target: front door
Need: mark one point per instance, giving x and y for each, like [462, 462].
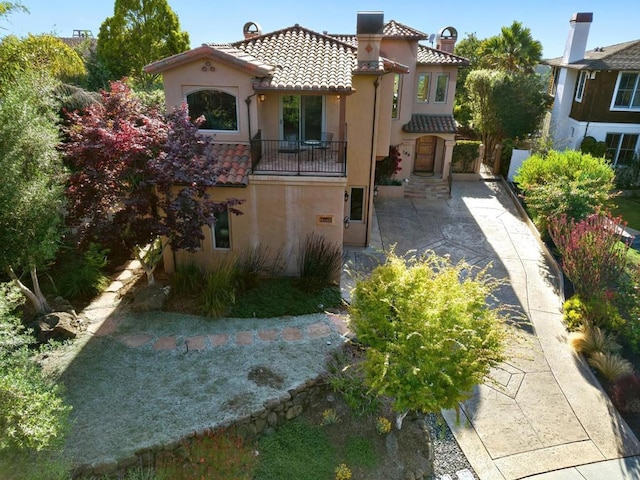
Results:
[425, 154]
[301, 117]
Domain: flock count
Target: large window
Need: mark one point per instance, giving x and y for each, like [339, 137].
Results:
[302, 117]
[422, 94]
[627, 94]
[395, 107]
[222, 231]
[621, 147]
[582, 80]
[220, 109]
[442, 83]
[356, 208]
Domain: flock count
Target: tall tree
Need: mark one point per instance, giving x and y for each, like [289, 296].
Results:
[7, 8]
[514, 50]
[31, 197]
[138, 177]
[505, 105]
[39, 52]
[138, 33]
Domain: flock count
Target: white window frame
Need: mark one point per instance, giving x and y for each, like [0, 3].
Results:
[230, 92]
[581, 85]
[213, 233]
[618, 147]
[427, 77]
[635, 92]
[446, 88]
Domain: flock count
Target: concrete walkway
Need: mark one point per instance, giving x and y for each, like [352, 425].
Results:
[542, 411]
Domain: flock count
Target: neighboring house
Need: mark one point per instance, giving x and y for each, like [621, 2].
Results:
[300, 119]
[597, 93]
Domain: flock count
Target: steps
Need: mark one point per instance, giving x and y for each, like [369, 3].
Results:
[430, 188]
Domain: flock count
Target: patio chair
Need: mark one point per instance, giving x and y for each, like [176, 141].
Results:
[325, 143]
[289, 144]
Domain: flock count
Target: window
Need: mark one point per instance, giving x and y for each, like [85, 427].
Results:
[220, 109]
[395, 108]
[422, 94]
[302, 117]
[627, 94]
[356, 208]
[621, 147]
[582, 80]
[222, 231]
[442, 84]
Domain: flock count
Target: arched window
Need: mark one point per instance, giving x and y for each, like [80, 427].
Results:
[220, 109]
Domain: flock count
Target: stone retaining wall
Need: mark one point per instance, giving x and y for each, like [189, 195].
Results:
[274, 413]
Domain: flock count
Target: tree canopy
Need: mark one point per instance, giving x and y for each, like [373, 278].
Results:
[31, 197]
[41, 53]
[139, 32]
[138, 175]
[514, 50]
[429, 332]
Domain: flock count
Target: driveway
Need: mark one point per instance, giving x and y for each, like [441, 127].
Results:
[542, 410]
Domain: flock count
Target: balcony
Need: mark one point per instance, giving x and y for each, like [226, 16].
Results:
[294, 157]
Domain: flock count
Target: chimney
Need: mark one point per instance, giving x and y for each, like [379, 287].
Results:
[577, 39]
[446, 39]
[251, 30]
[369, 32]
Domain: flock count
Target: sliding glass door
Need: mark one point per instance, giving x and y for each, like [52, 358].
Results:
[301, 117]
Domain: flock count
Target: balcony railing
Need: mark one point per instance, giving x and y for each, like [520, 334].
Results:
[293, 157]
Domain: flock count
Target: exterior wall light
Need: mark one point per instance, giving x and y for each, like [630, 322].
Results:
[262, 97]
[346, 196]
[347, 222]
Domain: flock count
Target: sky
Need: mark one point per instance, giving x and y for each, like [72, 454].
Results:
[614, 21]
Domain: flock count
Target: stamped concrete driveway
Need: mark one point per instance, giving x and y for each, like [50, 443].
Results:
[542, 410]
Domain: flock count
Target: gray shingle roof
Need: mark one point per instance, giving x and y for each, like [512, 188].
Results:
[421, 123]
[622, 56]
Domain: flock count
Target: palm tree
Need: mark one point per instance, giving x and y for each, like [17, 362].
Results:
[514, 50]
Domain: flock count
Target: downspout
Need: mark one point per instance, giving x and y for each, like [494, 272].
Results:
[376, 84]
[248, 102]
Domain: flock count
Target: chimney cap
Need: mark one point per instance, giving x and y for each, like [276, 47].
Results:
[583, 17]
[370, 23]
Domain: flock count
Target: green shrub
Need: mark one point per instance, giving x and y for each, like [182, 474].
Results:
[255, 262]
[595, 311]
[591, 146]
[508, 144]
[188, 279]
[566, 182]
[219, 293]
[82, 275]
[465, 154]
[319, 262]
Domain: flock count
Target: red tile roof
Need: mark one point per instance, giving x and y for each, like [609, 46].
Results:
[235, 161]
[432, 56]
[430, 124]
[303, 60]
[395, 29]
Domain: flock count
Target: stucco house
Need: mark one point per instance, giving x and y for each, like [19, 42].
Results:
[597, 93]
[300, 119]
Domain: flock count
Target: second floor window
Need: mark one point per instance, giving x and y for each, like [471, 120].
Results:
[627, 94]
[422, 94]
[220, 109]
[582, 80]
[395, 107]
[442, 84]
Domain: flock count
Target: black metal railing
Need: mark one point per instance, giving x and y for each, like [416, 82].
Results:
[294, 157]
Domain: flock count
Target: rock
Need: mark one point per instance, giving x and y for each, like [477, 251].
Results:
[392, 444]
[150, 298]
[58, 325]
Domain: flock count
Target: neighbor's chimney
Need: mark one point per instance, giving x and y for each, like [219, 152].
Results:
[577, 39]
[251, 29]
[446, 39]
[369, 32]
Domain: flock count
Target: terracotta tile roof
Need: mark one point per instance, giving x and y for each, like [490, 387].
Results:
[432, 56]
[622, 56]
[235, 161]
[302, 60]
[395, 29]
[223, 52]
[430, 124]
